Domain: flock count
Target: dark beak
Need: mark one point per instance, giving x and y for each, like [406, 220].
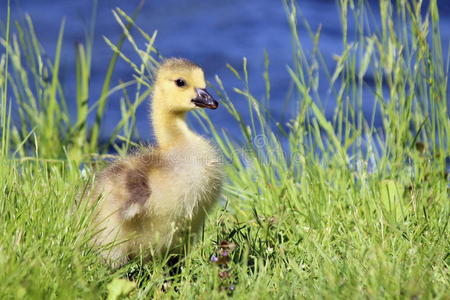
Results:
[204, 99]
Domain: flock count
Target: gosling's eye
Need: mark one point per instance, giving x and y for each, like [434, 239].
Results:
[180, 82]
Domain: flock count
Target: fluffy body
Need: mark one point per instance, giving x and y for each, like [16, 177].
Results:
[155, 202]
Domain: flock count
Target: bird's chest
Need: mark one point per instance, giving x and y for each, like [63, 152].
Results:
[193, 176]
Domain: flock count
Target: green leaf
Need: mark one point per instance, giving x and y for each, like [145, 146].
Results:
[391, 199]
[120, 287]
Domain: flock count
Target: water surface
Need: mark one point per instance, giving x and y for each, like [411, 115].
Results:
[211, 33]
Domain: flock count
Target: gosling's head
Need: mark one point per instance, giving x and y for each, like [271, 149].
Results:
[180, 87]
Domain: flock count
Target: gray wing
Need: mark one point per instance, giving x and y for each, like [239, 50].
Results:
[131, 175]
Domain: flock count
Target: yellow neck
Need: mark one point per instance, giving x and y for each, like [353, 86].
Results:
[170, 128]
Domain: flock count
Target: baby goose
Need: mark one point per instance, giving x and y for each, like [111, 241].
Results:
[149, 202]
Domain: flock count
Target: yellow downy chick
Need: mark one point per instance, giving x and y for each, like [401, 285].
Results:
[150, 202]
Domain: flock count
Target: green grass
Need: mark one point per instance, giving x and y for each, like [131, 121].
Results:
[342, 210]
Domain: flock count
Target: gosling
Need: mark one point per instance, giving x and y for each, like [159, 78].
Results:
[154, 203]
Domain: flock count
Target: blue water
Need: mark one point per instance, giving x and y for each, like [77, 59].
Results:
[211, 33]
